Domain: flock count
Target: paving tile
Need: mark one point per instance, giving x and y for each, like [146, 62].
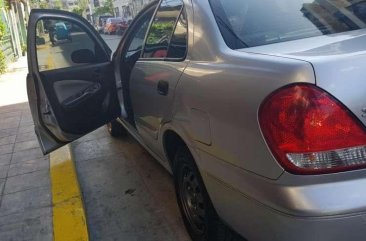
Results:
[14, 107]
[11, 119]
[10, 114]
[25, 129]
[7, 140]
[8, 132]
[26, 200]
[10, 109]
[26, 155]
[4, 171]
[24, 106]
[25, 145]
[10, 122]
[26, 113]
[30, 225]
[6, 149]
[27, 181]
[26, 121]
[26, 136]
[5, 159]
[27, 214]
[28, 166]
[2, 184]
[26, 117]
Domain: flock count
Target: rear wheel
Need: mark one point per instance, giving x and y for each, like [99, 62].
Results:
[199, 215]
[116, 129]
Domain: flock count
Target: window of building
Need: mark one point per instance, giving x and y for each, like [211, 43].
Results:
[116, 10]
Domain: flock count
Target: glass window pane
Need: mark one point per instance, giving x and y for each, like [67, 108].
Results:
[138, 40]
[248, 23]
[178, 44]
[162, 28]
[62, 44]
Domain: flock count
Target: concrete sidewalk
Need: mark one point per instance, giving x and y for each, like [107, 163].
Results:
[13, 83]
[25, 200]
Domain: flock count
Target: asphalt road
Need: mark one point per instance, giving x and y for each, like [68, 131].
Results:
[127, 194]
[58, 55]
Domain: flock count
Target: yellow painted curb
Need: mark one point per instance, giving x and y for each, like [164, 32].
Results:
[69, 220]
[50, 63]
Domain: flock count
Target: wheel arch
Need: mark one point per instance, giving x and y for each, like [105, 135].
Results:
[171, 143]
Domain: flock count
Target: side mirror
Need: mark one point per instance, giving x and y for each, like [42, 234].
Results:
[83, 56]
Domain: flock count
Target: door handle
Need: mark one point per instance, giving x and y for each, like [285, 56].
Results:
[80, 97]
[163, 87]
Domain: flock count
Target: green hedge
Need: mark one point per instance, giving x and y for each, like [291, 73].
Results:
[2, 62]
[2, 55]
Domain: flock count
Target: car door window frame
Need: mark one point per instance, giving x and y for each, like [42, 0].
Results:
[182, 11]
[126, 40]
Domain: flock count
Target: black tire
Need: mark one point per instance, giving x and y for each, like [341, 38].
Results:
[199, 215]
[115, 129]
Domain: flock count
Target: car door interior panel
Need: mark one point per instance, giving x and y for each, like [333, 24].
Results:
[68, 88]
[80, 95]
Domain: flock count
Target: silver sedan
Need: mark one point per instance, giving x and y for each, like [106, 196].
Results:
[257, 108]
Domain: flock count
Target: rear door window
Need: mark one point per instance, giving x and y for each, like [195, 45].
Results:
[179, 41]
[162, 29]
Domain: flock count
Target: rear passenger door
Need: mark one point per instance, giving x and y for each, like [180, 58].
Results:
[156, 74]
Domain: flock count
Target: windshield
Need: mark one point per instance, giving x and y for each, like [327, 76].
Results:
[249, 23]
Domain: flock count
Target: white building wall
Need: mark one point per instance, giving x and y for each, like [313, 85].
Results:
[118, 6]
[129, 8]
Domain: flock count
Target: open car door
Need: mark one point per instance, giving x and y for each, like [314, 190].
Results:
[70, 82]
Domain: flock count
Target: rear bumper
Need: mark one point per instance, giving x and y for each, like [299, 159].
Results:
[304, 209]
[257, 222]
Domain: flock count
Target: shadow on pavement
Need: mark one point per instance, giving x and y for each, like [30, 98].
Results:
[127, 194]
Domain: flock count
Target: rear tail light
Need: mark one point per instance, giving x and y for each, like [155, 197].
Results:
[310, 132]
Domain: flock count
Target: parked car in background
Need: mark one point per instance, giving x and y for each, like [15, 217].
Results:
[112, 25]
[101, 22]
[257, 108]
[122, 26]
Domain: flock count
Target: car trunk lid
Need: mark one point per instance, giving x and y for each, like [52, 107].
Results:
[339, 63]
